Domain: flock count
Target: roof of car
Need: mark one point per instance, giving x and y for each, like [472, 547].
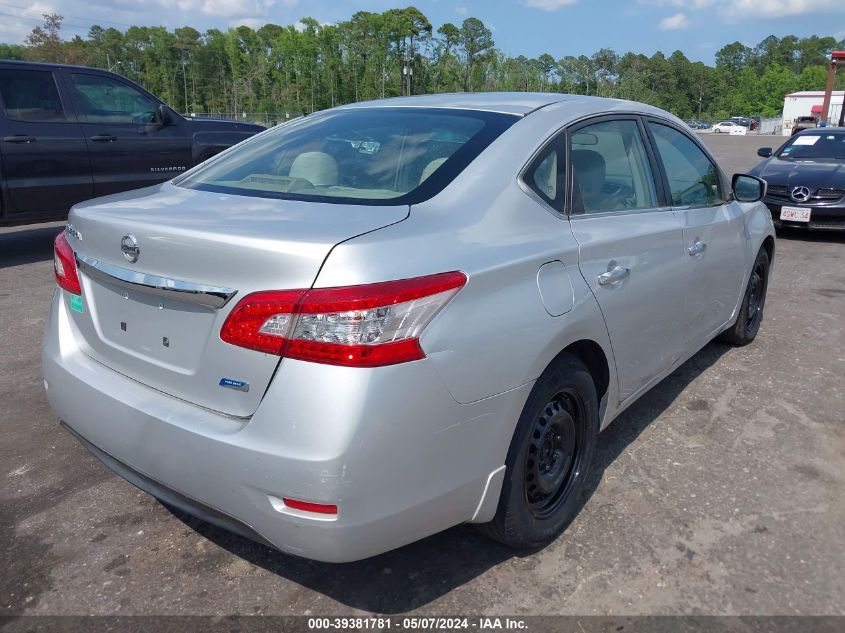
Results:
[17, 62]
[519, 103]
[830, 129]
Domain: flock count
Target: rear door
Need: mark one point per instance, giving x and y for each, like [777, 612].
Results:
[44, 156]
[630, 245]
[713, 227]
[129, 148]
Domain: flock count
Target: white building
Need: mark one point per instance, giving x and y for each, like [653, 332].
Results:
[810, 103]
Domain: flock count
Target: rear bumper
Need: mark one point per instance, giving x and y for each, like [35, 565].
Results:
[822, 218]
[389, 446]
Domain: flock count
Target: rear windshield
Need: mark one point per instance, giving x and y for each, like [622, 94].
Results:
[822, 145]
[358, 156]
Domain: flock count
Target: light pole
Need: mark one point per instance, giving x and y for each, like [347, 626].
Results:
[700, 96]
[185, 84]
[408, 71]
[110, 65]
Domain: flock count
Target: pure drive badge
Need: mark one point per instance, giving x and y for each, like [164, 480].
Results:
[237, 385]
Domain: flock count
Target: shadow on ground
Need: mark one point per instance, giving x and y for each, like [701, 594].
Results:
[802, 235]
[415, 575]
[27, 246]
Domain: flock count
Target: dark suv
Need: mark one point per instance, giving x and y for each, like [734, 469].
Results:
[71, 133]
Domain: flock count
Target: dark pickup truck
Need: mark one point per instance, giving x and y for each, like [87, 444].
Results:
[70, 133]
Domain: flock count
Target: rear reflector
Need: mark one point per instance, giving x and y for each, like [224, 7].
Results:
[64, 265]
[307, 506]
[357, 326]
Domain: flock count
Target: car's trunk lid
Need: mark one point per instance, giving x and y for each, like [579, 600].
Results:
[157, 320]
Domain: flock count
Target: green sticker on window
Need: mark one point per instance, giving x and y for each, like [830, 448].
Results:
[76, 303]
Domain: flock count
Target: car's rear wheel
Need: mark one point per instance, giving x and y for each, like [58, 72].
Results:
[549, 457]
[751, 310]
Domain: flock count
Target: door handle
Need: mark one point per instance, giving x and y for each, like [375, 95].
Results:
[19, 138]
[103, 138]
[615, 275]
[697, 248]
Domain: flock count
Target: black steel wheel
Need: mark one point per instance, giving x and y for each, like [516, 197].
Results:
[549, 457]
[750, 314]
[555, 453]
[756, 297]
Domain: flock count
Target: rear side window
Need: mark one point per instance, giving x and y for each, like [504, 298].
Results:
[546, 176]
[104, 100]
[30, 95]
[693, 178]
[362, 156]
[610, 168]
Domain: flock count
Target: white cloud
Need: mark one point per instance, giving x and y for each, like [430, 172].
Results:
[462, 11]
[80, 15]
[221, 8]
[733, 9]
[548, 5]
[253, 23]
[674, 22]
[19, 21]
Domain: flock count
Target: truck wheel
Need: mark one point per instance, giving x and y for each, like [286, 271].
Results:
[549, 458]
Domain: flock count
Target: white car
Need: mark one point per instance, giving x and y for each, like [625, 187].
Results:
[725, 127]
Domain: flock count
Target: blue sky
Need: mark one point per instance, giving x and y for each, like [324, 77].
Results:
[520, 27]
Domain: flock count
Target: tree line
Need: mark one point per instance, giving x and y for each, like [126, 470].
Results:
[309, 66]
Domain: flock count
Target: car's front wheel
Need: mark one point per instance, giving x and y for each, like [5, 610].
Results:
[751, 310]
[549, 457]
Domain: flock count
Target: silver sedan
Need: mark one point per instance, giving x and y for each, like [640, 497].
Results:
[366, 326]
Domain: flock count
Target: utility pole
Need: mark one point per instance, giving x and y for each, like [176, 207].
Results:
[836, 57]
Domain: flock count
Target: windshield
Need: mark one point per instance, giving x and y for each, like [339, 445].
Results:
[358, 156]
[815, 146]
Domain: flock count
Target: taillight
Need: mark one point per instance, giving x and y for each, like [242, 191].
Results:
[358, 326]
[64, 265]
[308, 506]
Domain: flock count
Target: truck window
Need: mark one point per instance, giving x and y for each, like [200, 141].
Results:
[104, 100]
[30, 95]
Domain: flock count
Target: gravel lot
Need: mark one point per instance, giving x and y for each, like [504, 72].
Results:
[721, 492]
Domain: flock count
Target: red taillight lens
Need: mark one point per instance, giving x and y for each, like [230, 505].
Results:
[245, 325]
[308, 506]
[359, 326]
[64, 265]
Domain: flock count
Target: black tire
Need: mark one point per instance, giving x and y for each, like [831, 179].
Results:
[750, 315]
[549, 458]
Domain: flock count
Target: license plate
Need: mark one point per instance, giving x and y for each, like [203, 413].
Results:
[794, 214]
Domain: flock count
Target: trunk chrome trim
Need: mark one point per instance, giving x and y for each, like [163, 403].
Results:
[200, 294]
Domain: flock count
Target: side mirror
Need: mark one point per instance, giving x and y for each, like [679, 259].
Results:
[765, 152]
[748, 188]
[163, 116]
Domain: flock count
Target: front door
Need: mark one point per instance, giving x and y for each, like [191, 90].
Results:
[631, 248]
[44, 156]
[713, 227]
[129, 148]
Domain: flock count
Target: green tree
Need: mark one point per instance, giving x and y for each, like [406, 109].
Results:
[44, 42]
[733, 56]
[476, 42]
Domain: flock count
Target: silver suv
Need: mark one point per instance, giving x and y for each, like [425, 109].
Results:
[364, 327]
